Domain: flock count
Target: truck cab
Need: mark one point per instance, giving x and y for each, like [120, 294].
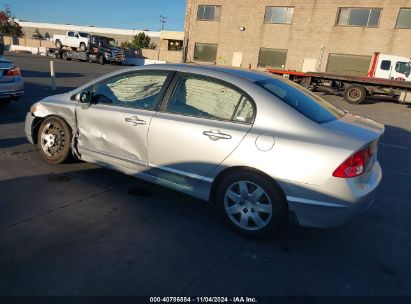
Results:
[390, 67]
[104, 49]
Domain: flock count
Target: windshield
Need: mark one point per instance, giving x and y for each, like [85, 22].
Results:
[302, 100]
[107, 42]
[402, 67]
[85, 35]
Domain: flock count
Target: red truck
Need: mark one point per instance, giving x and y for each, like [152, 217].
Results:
[388, 75]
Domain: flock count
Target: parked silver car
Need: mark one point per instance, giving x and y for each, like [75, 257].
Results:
[260, 147]
[11, 82]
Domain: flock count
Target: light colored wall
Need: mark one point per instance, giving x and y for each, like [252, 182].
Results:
[27, 42]
[171, 35]
[313, 27]
[169, 56]
[158, 54]
[120, 38]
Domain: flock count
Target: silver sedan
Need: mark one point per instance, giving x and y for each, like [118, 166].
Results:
[260, 147]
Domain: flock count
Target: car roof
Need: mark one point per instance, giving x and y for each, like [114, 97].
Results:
[250, 75]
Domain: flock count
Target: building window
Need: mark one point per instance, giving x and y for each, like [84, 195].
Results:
[279, 15]
[369, 17]
[209, 12]
[274, 58]
[206, 52]
[175, 45]
[404, 19]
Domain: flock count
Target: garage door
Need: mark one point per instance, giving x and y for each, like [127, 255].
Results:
[352, 65]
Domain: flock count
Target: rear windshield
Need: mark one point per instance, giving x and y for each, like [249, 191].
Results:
[302, 100]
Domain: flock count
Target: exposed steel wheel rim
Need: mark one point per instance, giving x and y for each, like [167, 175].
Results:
[248, 205]
[53, 139]
[355, 94]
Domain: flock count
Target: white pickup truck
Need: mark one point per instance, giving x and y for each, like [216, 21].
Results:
[73, 40]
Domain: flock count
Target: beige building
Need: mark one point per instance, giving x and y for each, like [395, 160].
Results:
[164, 40]
[169, 44]
[309, 35]
[47, 30]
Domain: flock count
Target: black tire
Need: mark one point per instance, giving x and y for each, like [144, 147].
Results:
[57, 148]
[273, 196]
[4, 102]
[101, 60]
[59, 45]
[355, 94]
[83, 47]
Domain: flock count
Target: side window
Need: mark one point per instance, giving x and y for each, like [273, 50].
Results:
[401, 67]
[207, 98]
[386, 65]
[245, 111]
[70, 34]
[138, 90]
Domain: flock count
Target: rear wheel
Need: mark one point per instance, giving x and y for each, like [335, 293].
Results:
[101, 60]
[65, 56]
[251, 204]
[54, 138]
[355, 94]
[4, 102]
[83, 47]
[59, 45]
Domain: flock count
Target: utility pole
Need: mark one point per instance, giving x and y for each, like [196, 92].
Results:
[163, 21]
[7, 10]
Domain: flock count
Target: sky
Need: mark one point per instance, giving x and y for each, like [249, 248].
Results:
[124, 14]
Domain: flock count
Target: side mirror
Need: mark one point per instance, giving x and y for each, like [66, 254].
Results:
[85, 97]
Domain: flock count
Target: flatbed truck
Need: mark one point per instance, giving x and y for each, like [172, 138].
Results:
[355, 89]
[101, 49]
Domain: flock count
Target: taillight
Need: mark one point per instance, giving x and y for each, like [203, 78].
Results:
[15, 71]
[355, 165]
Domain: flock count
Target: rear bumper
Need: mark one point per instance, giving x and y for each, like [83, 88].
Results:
[12, 89]
[326, 211]
[11, 94]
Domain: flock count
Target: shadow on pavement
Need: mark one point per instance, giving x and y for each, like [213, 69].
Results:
[11, 142]
[28, 74]
[95, 231]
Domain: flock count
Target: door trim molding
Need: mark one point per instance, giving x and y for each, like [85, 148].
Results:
[112, 155]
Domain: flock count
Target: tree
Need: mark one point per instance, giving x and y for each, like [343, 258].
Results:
[140, 41]
[8, 26]
[37, 35]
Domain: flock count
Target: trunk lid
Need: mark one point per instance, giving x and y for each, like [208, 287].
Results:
[366, 132]
[358, 127]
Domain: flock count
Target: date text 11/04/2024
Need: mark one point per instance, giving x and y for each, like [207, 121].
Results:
[203, 300]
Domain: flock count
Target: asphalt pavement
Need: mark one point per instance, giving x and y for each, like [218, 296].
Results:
[77, 229]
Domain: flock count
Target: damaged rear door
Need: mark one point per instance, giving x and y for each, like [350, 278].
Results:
[113, 128]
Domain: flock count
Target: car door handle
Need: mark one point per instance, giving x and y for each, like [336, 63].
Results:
[134, 120]
[216, 135]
